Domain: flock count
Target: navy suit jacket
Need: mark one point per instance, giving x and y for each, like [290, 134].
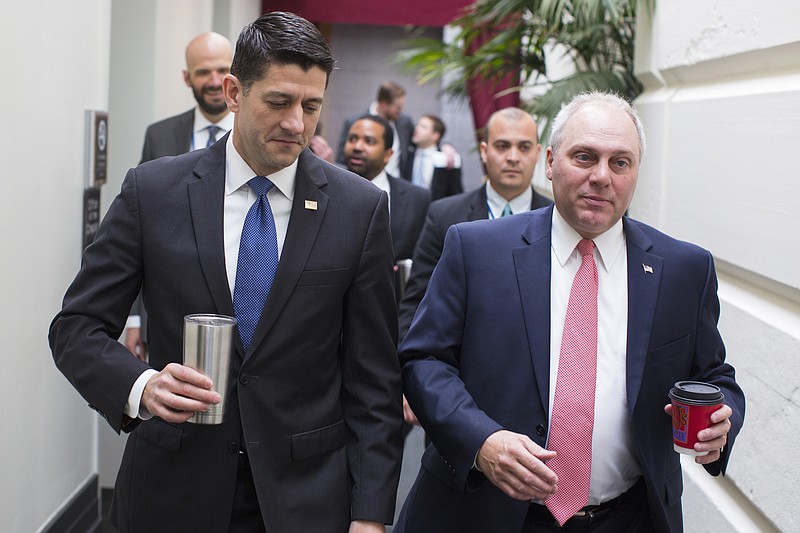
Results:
[442, 214]
[476, 360]
[317, 397]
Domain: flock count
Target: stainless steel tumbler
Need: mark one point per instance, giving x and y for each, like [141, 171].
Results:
[208, 348]
[403, 272]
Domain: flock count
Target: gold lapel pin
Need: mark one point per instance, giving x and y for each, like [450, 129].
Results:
[647, 269]
[311, 204]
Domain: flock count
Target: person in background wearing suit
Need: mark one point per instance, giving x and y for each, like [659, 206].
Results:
[428, 165]
[509, 153]
[366, 152]
[311, 438]
[208, 60]
[545, 398]
[389, 105]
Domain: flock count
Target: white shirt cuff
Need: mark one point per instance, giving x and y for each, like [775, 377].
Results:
[134, 321]
[133, 408]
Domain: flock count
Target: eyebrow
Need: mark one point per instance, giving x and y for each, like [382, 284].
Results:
[590, 148]
[280, 94]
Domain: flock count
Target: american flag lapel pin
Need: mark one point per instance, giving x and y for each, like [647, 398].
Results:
[647, 269]
[311, 205]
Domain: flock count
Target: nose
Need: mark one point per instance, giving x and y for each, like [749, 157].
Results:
[293, 120]
[601, 174]
[216, 79]
[512, 155]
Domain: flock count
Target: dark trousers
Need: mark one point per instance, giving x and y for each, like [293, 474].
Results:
[628, 513]
[246, 517]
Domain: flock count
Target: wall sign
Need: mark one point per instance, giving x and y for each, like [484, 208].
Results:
[96, 148]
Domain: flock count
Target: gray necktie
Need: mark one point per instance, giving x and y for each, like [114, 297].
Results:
[213, 131]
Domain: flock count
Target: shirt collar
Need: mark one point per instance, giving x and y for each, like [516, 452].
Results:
[238, 173]
[519, 204]
[608, 244]
[201, 122]
[382, 181]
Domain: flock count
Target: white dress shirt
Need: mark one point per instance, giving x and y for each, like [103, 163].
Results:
[615, 467]
[497, 203]
[238, 200]
[200, 133]
[429, 159]
[381, 181]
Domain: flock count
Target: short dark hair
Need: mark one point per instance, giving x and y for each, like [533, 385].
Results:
[388, 132]
[438, 124]
[282, 38]
[389, 91]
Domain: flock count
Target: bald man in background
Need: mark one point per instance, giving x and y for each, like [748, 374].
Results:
[208, 60]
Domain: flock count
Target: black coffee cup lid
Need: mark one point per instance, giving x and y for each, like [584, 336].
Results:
[697, 390]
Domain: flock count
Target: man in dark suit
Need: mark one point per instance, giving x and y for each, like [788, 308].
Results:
[389, 104]
[431, 166]
[509, 153]
[208, 60]
[484, 362]
[366, 152]
[311, 437]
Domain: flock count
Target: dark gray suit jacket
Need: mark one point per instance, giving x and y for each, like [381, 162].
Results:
[171, 136]
[442, 214]
[409, 204]
[316, 399]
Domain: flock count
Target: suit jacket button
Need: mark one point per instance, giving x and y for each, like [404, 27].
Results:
[540, 430]
[233, 447]
[243, 379]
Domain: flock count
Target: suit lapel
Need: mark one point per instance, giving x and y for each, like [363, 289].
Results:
[304, 225]
[532, 264]
[206, 203]
[183, 133]
[644, 278]
[478, 208]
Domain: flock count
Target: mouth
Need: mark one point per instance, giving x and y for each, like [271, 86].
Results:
[355, 161]
[595, 201]
[287, 140]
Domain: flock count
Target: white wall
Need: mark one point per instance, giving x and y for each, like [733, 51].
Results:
[53, 73]
[722, 111]
[61, 59]
[148, 43]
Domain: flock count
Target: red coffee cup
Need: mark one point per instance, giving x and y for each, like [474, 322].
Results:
[692, 405]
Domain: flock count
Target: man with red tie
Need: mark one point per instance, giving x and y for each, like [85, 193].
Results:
[541, 357]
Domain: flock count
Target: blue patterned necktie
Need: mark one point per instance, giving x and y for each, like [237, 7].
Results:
[213, 131]
[258, 261]
[506, 211]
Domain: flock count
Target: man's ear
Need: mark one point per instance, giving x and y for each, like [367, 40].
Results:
[186, 78]
[232, 89]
